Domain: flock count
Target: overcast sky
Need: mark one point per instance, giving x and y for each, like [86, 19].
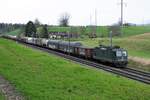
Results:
[49, 11]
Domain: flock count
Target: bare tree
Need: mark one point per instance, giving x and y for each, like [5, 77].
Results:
[37, 22]
[64, 20]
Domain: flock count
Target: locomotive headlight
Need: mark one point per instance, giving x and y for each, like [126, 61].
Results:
[124, 53]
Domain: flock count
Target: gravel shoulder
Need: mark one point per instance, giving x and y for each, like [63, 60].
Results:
[8, 90]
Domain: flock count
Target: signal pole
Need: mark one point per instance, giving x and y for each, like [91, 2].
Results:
[110, 34]
[69, 43]
[121, 18]
[90, 19]
[95, 21]
[95, 17]
[121, 12]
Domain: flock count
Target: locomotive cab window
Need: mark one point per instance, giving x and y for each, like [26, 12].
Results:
[118, 53]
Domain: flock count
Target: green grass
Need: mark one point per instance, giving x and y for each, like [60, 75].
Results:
[15, 32]
[58, 29]
[1, 97]
[135, 30]
[103, 30]
[41, 76]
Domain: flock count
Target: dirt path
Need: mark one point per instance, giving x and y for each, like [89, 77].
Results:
[9, 91]
[140, 60]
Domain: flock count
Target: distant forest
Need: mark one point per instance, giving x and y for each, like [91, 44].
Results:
[7, 27]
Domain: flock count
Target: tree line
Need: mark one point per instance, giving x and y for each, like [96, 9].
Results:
[7, 27]
[31, 30]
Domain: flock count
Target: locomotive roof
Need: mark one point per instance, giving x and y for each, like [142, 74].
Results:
[53, 41]
[114, 48]
[109, 47]
[85, 47]
[66, 43]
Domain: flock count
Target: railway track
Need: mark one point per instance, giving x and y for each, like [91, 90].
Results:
[126, 72]
[147, 74]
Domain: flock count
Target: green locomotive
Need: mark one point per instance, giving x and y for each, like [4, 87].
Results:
[114, 55]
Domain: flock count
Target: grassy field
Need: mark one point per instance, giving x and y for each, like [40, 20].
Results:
[58, 29]
[101, 30]
[135, 30]
[15, 32]
[40, 76]
[1, 97]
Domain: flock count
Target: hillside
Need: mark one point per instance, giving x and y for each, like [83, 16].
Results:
[41, 76]
[101, 30]
[15, 32]
[135, 30]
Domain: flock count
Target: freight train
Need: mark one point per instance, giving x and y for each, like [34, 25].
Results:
[116, 56]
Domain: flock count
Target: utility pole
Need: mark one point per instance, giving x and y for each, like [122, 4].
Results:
[90, 20]
[143, 22]
[95, 17]
[110, 34]
[69, 42]
[121, 21]
[95, 21]
[121, 12]
[91, 26]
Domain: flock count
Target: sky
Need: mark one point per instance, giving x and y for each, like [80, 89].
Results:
[82, 12]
